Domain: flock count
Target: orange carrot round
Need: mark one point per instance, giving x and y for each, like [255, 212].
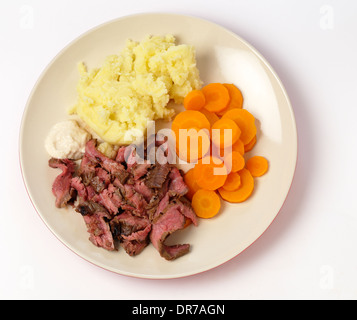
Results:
[211, 117]
[210, 173]
[233, 182]
[243, 192]
[234, 161]
[194, 100]
[225, 132]
[239, 147]
[217, 97]
[218, 152]
[257, 166]
[245, 121]
[193, 141]
[236, 100]
[206, 203]
[193, 145]
[250, 145]
[191, 183]
[190, 119]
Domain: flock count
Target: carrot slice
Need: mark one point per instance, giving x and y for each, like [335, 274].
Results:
[234, 161]
[250, 145]
[239, 147]
[193, 145]
[225, 132]
[236, 98]
[191, 183]
[210, 173]
[192, 142]
[257, 166]
[233, 182]
[206, 203]
[190, 119]
[217, 97]
[245, 121]
[243, 192]
[211, 117]
[194, 100]
[218, 152]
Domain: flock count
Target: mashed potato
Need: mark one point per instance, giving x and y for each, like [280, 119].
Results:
[117, 100]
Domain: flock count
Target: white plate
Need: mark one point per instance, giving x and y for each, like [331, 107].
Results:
[222, 57]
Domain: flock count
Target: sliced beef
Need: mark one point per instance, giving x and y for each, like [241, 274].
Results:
[130, 157]
[99, 230]
[81, 189]
[121, 155]
[101, 180]
[61, 187]
[88, 208]
[171, 216]
[185, 208]
[135, 200]
[131, 231]
[91, 192]
[157, 175]
[160, 208]
[167, 224]
[152, 205]
[182, 205]
[142, 188]
[96, 177]
[173, 187]
[133, 248]
[86, 170]
[126, 200]
[158, 195]
[112, 166]
[177, 186]
[130, 223]
[111, 199]
[140, 170]
[136, 242]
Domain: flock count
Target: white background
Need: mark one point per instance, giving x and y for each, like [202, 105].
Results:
[309, 252]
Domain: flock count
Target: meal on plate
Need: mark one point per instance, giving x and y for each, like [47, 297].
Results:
[108, 176]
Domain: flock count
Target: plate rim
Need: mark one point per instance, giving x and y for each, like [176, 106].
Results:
[144, 14]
